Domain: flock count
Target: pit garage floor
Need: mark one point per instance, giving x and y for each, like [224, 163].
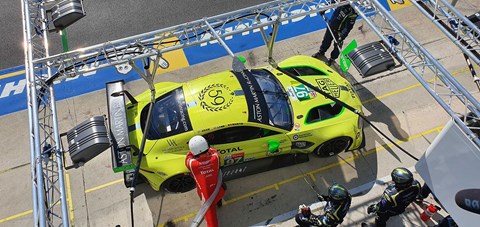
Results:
[393, 101]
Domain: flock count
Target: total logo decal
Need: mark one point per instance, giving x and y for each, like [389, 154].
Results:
[229, 150]
[13, 83]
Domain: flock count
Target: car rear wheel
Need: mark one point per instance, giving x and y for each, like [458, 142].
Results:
[179, 183]
[333, 147]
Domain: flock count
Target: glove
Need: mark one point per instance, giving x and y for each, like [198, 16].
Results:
[321, 198]
[301, 207]
[340, 41]
[372, 209]
[305, 210]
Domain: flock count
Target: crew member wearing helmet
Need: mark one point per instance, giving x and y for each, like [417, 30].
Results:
[396, 197]
[338, 203]
[204, 163]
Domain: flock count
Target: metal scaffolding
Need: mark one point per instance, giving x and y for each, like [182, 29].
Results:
[459, 29]
[441, 85]
[47, 170]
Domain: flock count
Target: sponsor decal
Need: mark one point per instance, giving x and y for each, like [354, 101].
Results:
[257, 106]
[234, 159]
[302, 92]
[162, 174]
[183, 112]
[469, 200]
[350, 90]
[304, 135]
[171, 143]
[249, 159]
[229, 150]
[204, 130]
[328, 86]
[235, 124]
[172, 149]
[215, 97]
[205, 172]
[298, 136]
[291, 93]
[234, 171]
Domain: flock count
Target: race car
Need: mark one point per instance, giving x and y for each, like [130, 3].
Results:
[248, 115]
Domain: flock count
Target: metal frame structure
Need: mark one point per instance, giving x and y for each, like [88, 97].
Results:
[47, 170]
[459, 29]
[442, 86]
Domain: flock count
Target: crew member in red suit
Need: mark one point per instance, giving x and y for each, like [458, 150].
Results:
[204, 165]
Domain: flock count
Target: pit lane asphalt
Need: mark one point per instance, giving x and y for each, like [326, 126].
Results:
[393, 101]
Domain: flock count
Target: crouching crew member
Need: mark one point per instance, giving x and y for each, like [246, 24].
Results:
[338, 204]
[396, 197]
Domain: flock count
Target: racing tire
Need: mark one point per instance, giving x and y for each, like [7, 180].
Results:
[179, 183]
[333, 147]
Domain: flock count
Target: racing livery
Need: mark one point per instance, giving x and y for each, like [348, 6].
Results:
[247, 115]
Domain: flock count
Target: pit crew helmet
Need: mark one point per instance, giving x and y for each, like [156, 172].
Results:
[402, 177]
[198, 145]
[338, 192]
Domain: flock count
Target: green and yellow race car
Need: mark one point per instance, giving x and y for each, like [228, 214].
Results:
[249, 115]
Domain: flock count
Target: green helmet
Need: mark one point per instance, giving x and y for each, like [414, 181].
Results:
[338, 192]
[402, 177]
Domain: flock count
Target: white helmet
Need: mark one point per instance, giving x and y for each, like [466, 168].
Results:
[198, 145]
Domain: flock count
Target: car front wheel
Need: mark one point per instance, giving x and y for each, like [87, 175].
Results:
[333, 147]
[179, 183]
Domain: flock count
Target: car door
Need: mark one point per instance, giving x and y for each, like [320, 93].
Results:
[239, 144]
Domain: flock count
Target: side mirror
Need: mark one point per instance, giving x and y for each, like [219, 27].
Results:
[273, 146]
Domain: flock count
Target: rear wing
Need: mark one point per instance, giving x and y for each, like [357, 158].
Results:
[117, 119]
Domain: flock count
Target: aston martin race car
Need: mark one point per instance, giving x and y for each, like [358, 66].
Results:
[249, 115]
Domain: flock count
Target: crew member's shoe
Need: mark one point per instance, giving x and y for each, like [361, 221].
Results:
[318, 55]
[330, 61]
[419, 199]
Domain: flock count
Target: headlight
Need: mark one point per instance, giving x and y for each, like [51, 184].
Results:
[301, 144]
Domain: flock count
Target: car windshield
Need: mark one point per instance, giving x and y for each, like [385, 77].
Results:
[279, 110]
[169, 116]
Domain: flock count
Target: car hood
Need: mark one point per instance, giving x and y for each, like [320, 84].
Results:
[217, 99]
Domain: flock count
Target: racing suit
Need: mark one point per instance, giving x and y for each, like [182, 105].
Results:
[334, 212]
[341, 23]
[394, 201]
[204, 169]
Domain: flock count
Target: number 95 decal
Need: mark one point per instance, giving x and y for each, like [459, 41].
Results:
[234, 159]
